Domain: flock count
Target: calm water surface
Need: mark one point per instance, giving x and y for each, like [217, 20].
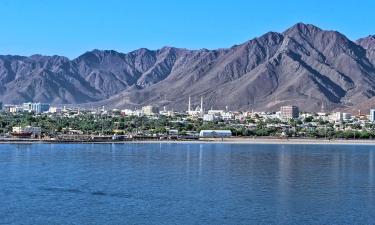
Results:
[186, 184]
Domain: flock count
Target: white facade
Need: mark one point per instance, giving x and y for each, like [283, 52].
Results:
[150, 110]
[346, 116]
[198, 110]
[209, 117]
[173, 132]
[227, 116]
[372, 115]
[36, 107]
[127, 112]
[36, 131]
[15, 109]
[215, 112]
[55, 110]
[336, 117]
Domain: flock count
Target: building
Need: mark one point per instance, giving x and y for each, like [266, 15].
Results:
[289, 112]
[215, 112]
[198, 110]
[166, 112]
[346, 116]
[55, 110]
[173, 132]
[210, 117]
[27, 131]
[35, 107]
[215, 133]
[15, 109]
[372, 115]
[127, 112]
[150, 110]
[227, 116]
[336, 117]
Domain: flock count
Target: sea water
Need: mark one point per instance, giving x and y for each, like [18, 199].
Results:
[181, 183]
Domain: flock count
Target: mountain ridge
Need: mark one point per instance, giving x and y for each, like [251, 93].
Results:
[315, 69]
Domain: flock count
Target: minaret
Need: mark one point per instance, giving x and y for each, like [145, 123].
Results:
[189, 107]
[202, 105]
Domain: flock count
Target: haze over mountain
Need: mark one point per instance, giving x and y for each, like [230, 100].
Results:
[305, 66]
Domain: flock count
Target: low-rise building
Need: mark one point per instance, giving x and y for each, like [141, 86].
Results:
[55, 110]
[210, 117]
[215, 112]
[346, 116]
[27, 131]
[215, 133]
[227, 116]
[15, 109]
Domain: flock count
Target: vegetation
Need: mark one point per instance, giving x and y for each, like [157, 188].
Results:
[97, 124]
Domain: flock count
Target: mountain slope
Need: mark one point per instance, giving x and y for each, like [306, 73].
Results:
[305, 66]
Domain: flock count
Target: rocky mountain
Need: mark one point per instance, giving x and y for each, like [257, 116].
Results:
[368, 43]
[305, 66]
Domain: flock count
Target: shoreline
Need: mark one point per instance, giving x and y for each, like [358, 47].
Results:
[264, 141]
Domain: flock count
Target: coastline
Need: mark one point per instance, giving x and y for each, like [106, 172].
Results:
[233, 140]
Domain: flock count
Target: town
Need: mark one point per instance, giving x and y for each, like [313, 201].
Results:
[40, 121]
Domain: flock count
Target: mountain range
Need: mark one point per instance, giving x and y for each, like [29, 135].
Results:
[314, 69]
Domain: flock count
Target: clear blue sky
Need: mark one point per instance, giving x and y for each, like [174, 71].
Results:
[71, 27]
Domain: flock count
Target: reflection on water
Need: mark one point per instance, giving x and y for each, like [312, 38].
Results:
[186, 184]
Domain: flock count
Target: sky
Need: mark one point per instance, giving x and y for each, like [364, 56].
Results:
[72, 27]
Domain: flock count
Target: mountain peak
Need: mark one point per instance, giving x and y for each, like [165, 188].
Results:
[367, 42]
[304, 65]
[302, 28]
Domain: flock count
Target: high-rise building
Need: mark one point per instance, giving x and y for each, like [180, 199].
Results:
[36, 107]
[289, 112]
[372, 115]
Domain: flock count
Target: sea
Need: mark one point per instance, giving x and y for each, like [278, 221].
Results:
[186, 183]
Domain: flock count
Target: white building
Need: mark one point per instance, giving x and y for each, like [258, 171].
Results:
[150, 110]
[35, 131]
[55, 110]
[346, 116]
[127, 112]
[173, 132]
[336, 117]
[198, 110]
[372, 115]
[166, 112]
[35, 107]
[209, 117]
[215, 112]
[227, 116]
[16, 109]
